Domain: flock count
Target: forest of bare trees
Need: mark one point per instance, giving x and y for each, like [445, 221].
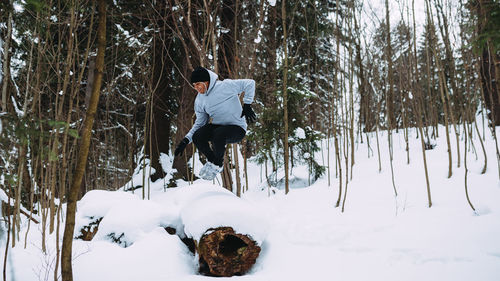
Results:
[126, 65]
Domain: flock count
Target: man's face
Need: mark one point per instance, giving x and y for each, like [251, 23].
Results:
[201, 87]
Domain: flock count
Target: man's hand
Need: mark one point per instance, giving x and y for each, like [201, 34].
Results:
[248, 113]
[181, 146]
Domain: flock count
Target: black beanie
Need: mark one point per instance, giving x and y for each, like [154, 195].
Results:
[200, 74]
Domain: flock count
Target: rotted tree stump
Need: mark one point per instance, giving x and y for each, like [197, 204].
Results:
[224, 253]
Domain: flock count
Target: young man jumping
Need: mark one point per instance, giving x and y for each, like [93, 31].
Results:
[218, 101]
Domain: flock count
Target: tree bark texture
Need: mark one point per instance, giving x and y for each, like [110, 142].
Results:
[223, 252]
[194, 56]
[88, 232]
[6, 63]
[66, 255]
[185, 119]
[489, 85]
[226, 50]
[285, 95]
[226, 67]
[487, 70]
[391, 123]
[158, 132]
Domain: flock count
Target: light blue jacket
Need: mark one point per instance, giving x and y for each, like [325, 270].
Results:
[221, 102]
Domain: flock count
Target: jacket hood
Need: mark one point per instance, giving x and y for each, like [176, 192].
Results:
[213, 79]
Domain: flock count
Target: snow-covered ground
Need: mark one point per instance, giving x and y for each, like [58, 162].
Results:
[302, 235]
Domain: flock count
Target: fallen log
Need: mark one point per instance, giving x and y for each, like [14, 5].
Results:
[227, 230]
[223, 252]
[121, 218]
[8, 210]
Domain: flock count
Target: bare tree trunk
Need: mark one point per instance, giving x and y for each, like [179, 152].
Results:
[441, 90]
[489, 68]
[193, 36]
[466, 171]
[147, 138]
[430, 82]
[245, 158]
[285, 94]
[482, 146]
[43, 181]
[16, 217]
[351, 90]
[445, 110]
[227, 45]
[6, 60]
[26, 177]
[184, 117]
[339, 164]
[63, 175]
[378, 148]
[390, 94]
[344, 113]
[194, 55]
[237, 168]
[418, 108]
[226, 63]
[32, 193]
[334, 115]
[443, 27]
[212, 36]
[227, 179]
[66, 258]
[157, 135]
[5, 257]
[484, 18]
[258, 29]
[365, 98]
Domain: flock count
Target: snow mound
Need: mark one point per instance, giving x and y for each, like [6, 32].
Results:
[126, 217]
[207, 206]
[157, 256]
[133, 219]
[97, 203]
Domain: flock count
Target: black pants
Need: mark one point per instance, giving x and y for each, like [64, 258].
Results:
[219, 136]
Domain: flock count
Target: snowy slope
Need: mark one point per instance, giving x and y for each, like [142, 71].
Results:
[303, 236]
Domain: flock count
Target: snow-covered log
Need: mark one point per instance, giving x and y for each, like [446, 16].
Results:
[121, 217]
[225, 232]
[223, 252]
[9, 210]
[228, 230]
